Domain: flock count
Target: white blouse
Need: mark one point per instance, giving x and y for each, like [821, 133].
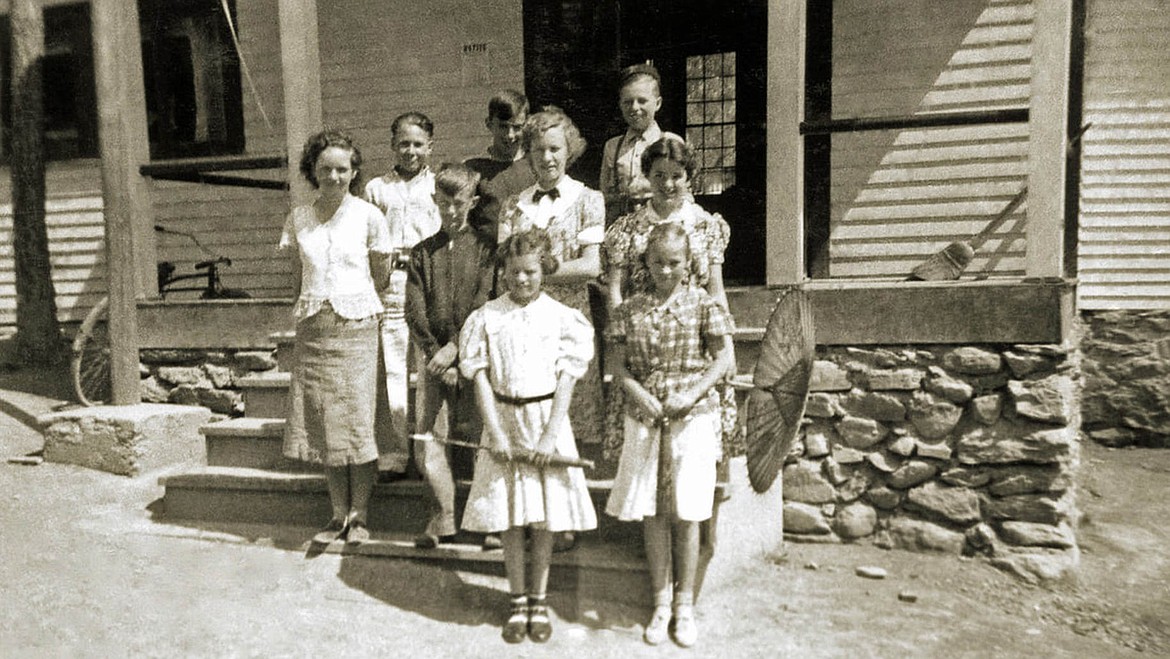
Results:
[335, 257]
[409, 206]
[525, 348]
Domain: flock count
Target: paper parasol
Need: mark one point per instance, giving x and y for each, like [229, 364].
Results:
[776, 401]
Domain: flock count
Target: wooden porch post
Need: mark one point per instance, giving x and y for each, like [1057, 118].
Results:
[1047, 135]
[787, 23]
[300, 60]
[130, 254]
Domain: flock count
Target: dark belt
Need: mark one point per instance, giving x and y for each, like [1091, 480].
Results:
[511, 400]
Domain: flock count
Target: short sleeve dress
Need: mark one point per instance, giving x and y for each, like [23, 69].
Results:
[524, 350]
[333, 388]
[625, 243]
[575, 219]
[667, 350]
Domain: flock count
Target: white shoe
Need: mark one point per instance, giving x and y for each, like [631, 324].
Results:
[657, 629]
[685, 630]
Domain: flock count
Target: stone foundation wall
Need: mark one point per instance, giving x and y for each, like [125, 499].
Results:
[1127, 377]
[206, 378]
[960, 449]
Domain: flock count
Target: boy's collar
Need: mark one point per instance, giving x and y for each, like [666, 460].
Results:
[466, 226]
[652, 133]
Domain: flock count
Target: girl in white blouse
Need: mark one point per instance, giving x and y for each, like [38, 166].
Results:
[337, 243]
[524, 351]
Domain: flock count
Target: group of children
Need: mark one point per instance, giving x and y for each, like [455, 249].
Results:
[482, 269]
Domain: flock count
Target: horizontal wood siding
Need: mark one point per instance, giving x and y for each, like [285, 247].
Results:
[379, 60]
[1124, 260]
[77, 249]
[900, 196]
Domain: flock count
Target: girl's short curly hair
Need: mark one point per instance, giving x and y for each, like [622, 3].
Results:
[325, 139]
[549, 117]
[531, 241]
[673, 149]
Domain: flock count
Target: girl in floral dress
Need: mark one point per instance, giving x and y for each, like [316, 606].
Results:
[573, 215]
[670, 166]
[524, 351]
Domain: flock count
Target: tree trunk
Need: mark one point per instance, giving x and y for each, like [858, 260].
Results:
[38, 335]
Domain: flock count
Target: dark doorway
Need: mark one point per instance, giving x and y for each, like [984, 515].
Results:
[712, 57]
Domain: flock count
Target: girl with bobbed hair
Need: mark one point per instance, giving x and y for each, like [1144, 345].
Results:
[337, 244]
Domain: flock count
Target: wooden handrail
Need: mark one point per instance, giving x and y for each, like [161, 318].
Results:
[220, 179]
[162, 168]
[902, 122]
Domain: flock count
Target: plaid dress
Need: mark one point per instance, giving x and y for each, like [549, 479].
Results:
[667, 349]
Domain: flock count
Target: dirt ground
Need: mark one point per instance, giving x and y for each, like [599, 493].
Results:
[87, 573]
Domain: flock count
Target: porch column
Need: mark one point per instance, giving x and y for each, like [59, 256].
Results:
[130, 249]
[300, 62]
[787, 23]
[1047, 135]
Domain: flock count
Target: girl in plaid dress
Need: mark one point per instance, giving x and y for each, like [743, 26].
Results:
[671, 347]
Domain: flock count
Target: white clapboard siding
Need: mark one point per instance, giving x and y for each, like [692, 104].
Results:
[77, 251]
[376, 66]
[898, 197]
[1124, 253]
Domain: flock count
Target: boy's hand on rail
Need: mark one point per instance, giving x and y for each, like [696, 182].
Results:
[450, 377]
[444, 358]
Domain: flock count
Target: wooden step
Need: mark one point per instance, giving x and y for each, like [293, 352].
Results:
[250, 442]
[594, 572]
[256, 442]
[607, 565]
[285, 342]
[747, 348]
[243, 495]
[265, 394]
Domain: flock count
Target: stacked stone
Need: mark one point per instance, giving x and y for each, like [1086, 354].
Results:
[959, 449]
[1127, 377]
[200, 377]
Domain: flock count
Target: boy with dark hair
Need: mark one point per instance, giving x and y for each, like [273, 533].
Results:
[503, 171]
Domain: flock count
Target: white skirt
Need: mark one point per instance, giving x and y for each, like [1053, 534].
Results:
[695, 447]
[509, 494]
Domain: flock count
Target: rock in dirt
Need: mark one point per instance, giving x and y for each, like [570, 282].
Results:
[870, 572]
[907, 596]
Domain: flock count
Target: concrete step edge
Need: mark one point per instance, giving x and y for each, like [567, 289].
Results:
[245, 426]
[589, 552]
[267, 380]
[248, 478]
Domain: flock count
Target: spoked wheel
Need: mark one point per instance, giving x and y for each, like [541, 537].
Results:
[91, 357]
